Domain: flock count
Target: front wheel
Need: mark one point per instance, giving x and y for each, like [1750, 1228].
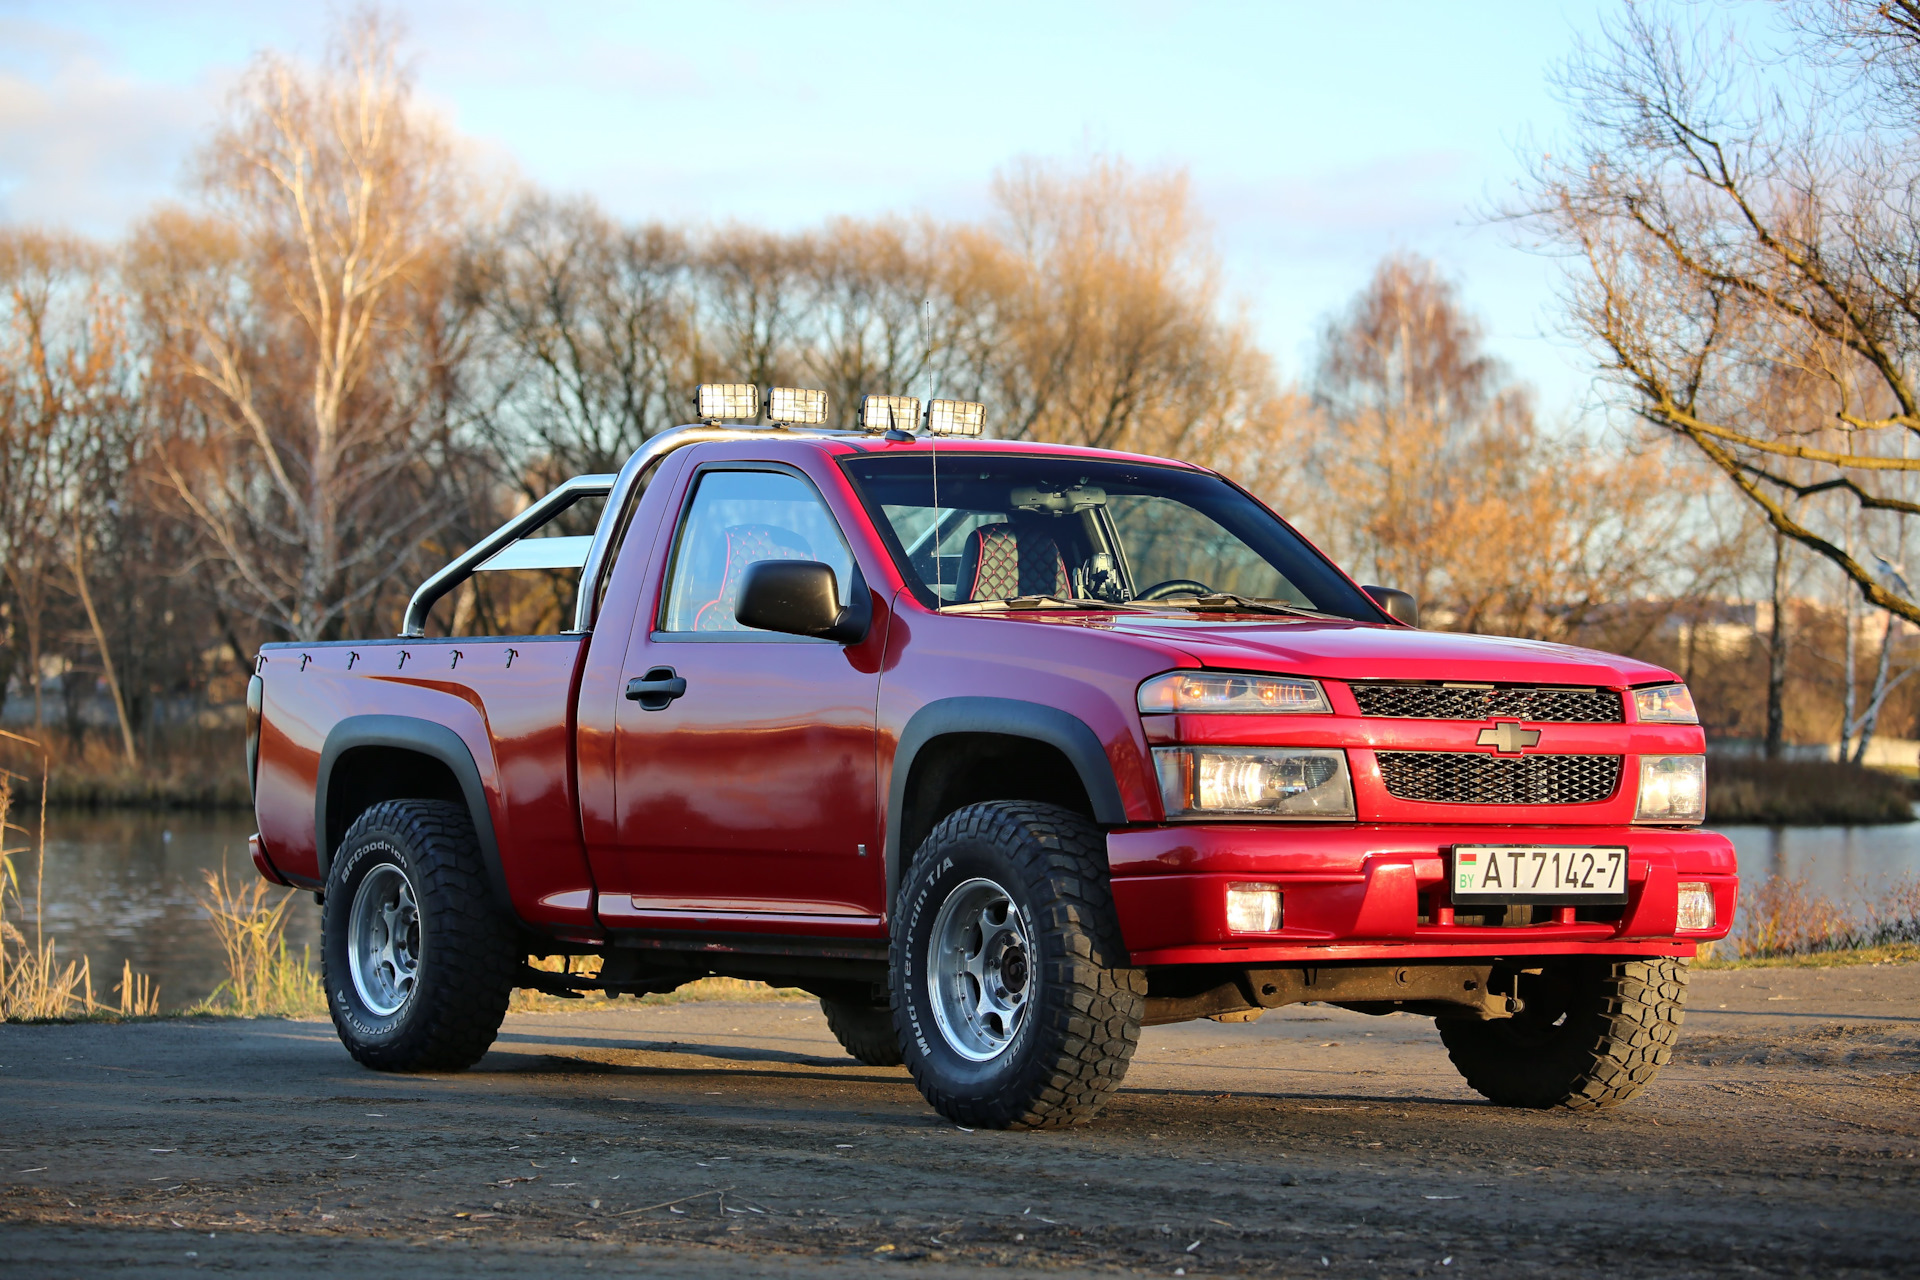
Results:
[1011, 990]
[418, 961]
[1591, 1032]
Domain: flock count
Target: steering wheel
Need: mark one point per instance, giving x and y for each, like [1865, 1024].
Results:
[1175, 587]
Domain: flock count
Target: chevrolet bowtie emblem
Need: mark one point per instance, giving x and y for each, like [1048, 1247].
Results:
[1508, 738]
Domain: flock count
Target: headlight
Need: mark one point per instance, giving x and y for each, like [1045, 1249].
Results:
[1256, 782]
[1672, 789]
[1696, 906]
[1212, 691]
[1665, 704]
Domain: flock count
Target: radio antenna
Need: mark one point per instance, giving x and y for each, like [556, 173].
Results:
[933, 445]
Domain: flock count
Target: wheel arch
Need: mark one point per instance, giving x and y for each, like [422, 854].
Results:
[1033, 751]
[368, 759]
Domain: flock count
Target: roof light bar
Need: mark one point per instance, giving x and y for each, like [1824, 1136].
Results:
[727, 401]
[796, 406]
[889, 413]
[956, 417]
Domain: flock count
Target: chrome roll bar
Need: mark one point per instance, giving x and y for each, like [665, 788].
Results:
[463, 565]
[620, 491]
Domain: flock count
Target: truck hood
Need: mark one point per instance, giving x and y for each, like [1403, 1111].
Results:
[1366, 651]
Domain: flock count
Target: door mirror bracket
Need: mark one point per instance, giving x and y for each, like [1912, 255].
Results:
[1399, 604]
[802, 598]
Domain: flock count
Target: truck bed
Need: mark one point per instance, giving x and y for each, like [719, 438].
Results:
[504, 706]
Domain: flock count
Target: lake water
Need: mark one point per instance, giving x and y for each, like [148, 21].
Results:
[123, 886]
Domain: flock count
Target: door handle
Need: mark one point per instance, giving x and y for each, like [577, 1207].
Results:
[656, 689]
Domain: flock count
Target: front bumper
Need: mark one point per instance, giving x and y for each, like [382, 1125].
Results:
[1379, 891]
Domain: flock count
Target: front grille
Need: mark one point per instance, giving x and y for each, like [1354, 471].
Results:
[1465, 777]
[1437, 702]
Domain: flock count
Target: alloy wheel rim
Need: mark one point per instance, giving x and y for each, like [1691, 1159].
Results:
[383, 940]
[980, 970]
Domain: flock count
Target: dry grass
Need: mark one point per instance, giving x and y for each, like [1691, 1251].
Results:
[263, 978]
[35, 984]
[525, 1001]
[1782, 920]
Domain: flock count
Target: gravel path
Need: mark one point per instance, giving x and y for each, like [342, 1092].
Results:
[737, 1139]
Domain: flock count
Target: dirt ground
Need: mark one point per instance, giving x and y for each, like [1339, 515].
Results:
[736, 1139]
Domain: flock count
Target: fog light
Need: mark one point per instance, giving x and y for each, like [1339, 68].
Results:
[1696, 906]
[1253, 908]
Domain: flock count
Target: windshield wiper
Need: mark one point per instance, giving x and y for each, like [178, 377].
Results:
[1228, 600]
[1031, 602]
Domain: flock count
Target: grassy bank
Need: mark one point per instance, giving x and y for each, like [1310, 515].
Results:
[184, 769]
[1894, 953]
[1778, 793]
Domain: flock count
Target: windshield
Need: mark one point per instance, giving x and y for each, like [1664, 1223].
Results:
[1009, 527]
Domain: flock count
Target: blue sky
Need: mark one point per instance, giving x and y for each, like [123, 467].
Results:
[1319, 136]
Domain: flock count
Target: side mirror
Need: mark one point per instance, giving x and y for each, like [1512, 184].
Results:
[802, 598]
[1397, 603]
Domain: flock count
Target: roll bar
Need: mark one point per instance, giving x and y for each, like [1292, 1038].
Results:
[619, 489]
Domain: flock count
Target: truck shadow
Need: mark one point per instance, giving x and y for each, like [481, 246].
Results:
[558, 1048]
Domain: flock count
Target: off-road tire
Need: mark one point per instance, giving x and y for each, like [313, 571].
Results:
[1081, 1024]
[1596, 1033]
[467, 957]
[865, 1031]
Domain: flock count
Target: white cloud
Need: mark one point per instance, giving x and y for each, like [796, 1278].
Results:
[82, 144]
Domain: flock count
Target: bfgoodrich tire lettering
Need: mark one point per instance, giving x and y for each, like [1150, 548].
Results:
[418, 978]
[1595, 1031]
[1075, 1005]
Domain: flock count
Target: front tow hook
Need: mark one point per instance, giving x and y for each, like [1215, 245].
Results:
[656, 689]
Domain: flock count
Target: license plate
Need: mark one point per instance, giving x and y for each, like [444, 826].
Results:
[1539, 873]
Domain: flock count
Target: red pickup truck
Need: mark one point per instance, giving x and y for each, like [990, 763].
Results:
[1003, 751]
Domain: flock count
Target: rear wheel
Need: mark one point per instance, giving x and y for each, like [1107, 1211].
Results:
[1592, 1032]
[1011, 993]
[864, 1030]
[418, 961]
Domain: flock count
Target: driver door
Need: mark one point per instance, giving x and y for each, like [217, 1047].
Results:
[752, 790]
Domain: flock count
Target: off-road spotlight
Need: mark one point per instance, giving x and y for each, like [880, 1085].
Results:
[796, 406]
[726, 401]
[956, 417]
[889, 413]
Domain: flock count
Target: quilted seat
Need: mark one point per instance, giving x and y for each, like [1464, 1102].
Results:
[1000, 562]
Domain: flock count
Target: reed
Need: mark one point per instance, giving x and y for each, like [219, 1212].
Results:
[263, 978]
[1782, 916]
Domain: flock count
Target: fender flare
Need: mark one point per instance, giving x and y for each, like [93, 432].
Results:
[422, 737]
[1013, 718]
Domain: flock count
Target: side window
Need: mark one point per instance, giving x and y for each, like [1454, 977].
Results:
[736, 520]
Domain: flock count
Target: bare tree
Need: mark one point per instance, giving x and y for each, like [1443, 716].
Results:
[67, 412]
[1437, 477]
[309, 324]
[1109, 326]
[1732, 212]
[592, 333]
